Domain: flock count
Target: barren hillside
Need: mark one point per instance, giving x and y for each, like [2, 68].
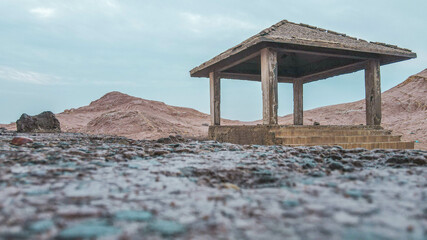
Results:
[119, 114]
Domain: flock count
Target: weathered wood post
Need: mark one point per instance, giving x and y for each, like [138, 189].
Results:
[298, 102]
[373, 92]
[269, 86]
[215, 94]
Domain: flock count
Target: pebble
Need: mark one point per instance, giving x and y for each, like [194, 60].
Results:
[133, 215]
[345, 218]
[18, 141]
[41, 226]
[166, 227]
[88, 230]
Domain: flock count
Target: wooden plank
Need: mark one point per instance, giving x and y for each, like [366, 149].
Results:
[326, 54]
[269, 86]
[215, 97]
[373, 92]
[324, 65]
[237, 62]
[349, 68]
[241, 53]
[298, 102]
[252, 77]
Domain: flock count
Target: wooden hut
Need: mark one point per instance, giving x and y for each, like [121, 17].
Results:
[298, 54]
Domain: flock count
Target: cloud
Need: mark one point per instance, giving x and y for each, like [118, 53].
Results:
[43, 12]
[197, 23]
[15, 75]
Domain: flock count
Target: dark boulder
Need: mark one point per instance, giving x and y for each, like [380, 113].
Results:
[44, 122]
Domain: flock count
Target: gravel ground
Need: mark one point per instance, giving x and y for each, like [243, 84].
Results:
[76, 186]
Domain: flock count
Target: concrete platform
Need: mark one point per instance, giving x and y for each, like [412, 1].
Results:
[360, 136]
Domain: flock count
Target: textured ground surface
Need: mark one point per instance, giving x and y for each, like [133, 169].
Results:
[71, 186]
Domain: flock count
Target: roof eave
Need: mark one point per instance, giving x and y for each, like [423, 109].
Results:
[200, 71]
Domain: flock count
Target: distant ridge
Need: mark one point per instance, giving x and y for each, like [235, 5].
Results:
[117, 113]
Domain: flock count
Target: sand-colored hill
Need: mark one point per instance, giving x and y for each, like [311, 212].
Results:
[404, 110]
[119, 114]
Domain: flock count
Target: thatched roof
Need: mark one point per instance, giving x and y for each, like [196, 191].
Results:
[293, 34]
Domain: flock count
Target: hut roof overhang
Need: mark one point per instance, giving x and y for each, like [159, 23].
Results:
[304, 52]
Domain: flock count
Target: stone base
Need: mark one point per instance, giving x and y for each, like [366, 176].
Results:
[358, 136]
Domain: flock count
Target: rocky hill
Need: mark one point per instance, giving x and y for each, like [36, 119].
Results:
[119, 114]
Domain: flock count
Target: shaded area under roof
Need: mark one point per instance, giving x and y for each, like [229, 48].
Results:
[304, 51]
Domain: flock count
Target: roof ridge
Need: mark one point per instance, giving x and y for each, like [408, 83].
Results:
[274, 27]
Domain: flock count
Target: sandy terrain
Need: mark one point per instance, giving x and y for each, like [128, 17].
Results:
[404, 111]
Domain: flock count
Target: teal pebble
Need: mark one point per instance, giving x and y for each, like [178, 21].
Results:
[353, 193]
[166, 228]
[41, 226]
[130, 215]
[290, 203]
[88, 229]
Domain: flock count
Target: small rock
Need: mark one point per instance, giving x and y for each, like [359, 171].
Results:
[334, 165]
[230, 186]
[18, 141]
[88, 230]
[132, 215]
[44, 122]
[345, 218]
[41, 226]
[290, 203]
[166, 228]
[353, 193]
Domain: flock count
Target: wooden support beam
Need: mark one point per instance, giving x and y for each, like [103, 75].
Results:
[349, 68]
[237, 62]
[324, 65]
[373, 92]
[298, 102]
[326, 54]
[215, 94]
[269, 86]
[252, 77]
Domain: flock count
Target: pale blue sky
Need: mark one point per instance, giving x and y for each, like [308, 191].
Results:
[61, 54]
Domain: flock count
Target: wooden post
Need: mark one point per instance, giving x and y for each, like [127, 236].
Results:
[269, 86]
[373, 92]
[298, 102]
[215, 93]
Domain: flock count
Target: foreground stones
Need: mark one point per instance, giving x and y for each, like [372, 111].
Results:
[18, 141]
[44, 122]
[76, 186]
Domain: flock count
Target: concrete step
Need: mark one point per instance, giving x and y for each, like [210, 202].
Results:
[328, 132]
[366, 145]
[336, 139]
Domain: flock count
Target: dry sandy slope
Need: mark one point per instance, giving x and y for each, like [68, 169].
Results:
[119, 114]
